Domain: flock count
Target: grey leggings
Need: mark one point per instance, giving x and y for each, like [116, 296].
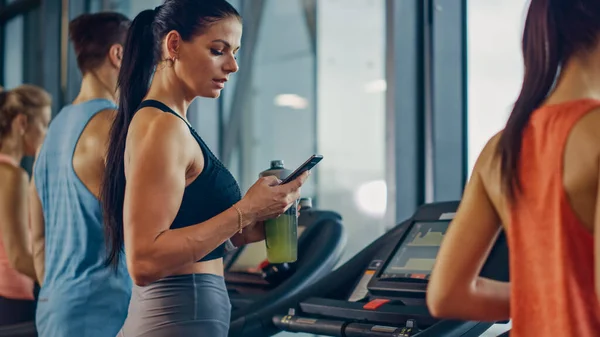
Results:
[181, 305]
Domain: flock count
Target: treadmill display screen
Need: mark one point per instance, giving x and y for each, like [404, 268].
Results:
[415, 256]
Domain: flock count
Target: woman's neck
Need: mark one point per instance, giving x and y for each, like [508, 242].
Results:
[12, 148]
[579, 79]
[167, 89]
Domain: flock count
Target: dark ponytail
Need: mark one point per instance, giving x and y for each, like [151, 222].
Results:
[142, 52]
[554, 30]
[133, 82]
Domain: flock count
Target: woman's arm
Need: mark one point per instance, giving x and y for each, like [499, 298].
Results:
[156, 165]
[38, 232]
[455, 289]
[597, 237]
[14, 219]
[253, 233]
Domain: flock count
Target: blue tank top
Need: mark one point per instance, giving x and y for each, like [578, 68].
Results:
[80, 296]
[211, 193]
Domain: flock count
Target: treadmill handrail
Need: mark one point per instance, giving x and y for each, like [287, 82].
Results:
[329, 229]
[387, 313]
[351, 269]
[330, 243]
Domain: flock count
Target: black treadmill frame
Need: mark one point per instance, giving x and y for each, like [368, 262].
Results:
[254, 315]
[319, 306]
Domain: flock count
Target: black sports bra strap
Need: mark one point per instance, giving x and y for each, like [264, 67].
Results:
[161, 106]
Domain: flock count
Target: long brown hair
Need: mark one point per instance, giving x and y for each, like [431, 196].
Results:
[554, 31]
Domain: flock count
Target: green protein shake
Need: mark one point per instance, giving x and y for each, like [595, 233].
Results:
[282, 232]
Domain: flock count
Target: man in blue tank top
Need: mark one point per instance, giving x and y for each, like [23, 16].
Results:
[80, 296]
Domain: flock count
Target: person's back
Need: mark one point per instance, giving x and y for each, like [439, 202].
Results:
[538, 179]
[80, 294]
[15, 287]
[24, 116]
[551, 249]
[76, 279]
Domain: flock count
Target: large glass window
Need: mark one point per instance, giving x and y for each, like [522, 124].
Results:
[13, 52]
[32, 47]
[495, 67]
[22, 47]
[351, 116]
[22, 54]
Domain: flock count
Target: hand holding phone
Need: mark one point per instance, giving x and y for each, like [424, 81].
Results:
[264, 199]
[307, 165]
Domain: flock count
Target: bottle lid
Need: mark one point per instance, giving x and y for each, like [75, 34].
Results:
[305, 203]
[277, 163]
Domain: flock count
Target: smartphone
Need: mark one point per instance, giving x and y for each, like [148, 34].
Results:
[309, 164]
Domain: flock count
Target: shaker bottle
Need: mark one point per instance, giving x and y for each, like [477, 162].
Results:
[305, 204]
[281, 233]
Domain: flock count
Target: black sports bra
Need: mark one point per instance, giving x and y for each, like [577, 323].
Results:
[211, 193]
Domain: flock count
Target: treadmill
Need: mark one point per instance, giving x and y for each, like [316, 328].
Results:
[381, 291]
[257, 288]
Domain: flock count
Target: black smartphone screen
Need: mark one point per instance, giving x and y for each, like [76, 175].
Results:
[307, 165]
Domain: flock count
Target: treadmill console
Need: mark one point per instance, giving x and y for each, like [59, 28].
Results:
[388, 296]
[408, 263]
[414, 257]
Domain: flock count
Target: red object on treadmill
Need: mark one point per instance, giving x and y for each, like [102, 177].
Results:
[263, 264]
[375, 304]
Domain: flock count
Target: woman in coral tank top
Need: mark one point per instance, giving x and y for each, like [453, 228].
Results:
[24, 118]
[538, 179]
